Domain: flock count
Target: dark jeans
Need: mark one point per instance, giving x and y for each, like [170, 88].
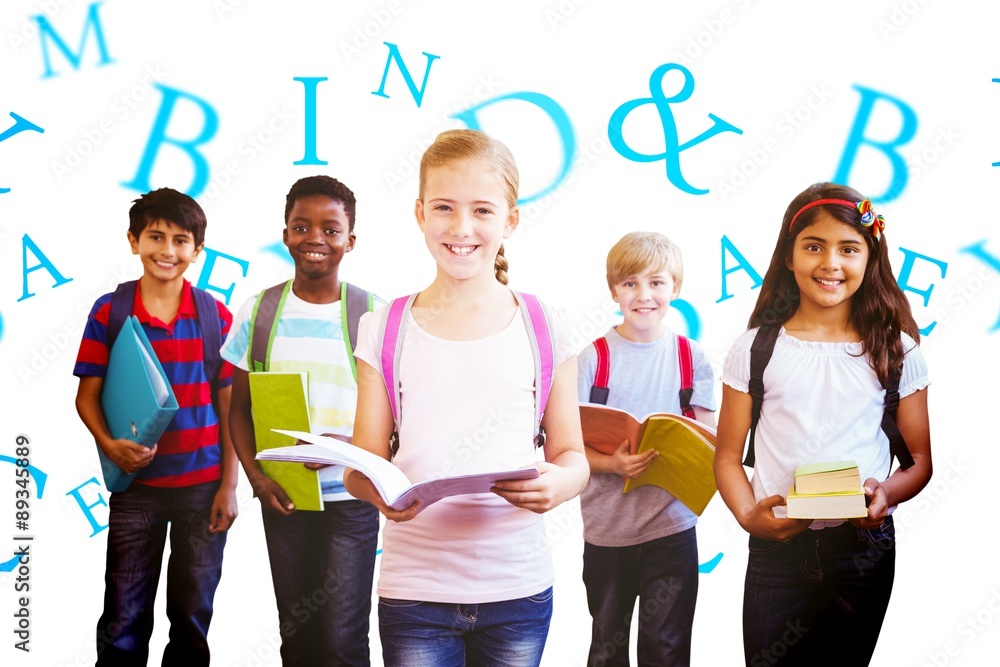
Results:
[136, 536]
[322, 565]
[510, 633]
[819, 598]
[663, 574]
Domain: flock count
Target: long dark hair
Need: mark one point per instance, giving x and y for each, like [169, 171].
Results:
[879, 310]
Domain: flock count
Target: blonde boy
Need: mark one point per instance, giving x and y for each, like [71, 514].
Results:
[641, 544]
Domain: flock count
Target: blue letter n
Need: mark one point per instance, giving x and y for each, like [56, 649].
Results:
[418, 94]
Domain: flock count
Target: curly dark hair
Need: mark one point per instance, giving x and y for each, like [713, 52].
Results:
[326, 186]
[879, 310]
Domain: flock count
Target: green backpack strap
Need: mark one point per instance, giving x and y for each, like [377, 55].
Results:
[265, 318]
[354, 302]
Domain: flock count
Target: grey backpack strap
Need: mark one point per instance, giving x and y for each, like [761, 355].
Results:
[264, 324]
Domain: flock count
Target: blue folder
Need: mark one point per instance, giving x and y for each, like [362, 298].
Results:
[136, 397]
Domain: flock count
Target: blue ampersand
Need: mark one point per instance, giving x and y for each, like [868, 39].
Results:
[673, 147]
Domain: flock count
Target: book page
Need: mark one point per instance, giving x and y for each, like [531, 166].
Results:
[390, 481]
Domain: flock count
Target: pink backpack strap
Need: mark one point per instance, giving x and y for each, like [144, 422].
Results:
[393, 323]
[542, 350]
[686, 363]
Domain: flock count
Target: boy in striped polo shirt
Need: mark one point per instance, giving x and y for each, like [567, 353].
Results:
[322, 563]
[188, 479]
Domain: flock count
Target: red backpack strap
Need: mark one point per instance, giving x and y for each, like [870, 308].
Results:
[599, 391]
[391, 336]
[686, 364]
[542, 349]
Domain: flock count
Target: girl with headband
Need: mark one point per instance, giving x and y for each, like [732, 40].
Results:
[846, 381]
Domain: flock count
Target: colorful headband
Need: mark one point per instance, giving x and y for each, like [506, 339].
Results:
[869, 218]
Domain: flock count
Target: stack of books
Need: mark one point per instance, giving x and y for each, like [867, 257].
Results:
[826, 491]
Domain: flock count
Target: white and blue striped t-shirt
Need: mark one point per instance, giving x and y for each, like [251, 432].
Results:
[310, 338]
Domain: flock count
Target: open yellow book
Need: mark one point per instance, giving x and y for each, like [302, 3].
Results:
[686, 450]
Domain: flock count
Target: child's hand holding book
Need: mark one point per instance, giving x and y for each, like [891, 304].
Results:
[631, 466]
[128, 455]
[878, 505]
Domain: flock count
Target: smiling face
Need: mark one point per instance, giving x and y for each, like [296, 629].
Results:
[828, 261]
[165, 250]
[644, 299]
[317, 234]
[464, 216]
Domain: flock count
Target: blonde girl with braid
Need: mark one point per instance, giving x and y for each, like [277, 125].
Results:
[468, 580]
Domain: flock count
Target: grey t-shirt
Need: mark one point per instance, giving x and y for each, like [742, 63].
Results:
[644, 378]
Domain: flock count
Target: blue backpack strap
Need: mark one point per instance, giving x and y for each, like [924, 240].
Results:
[211, 334]
[760, 356]
[685, 361]
[543, 350]
[122, 301]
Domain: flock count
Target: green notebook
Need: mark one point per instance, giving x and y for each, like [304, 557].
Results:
[280, 400]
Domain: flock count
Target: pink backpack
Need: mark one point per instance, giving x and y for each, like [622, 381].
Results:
[535, 321]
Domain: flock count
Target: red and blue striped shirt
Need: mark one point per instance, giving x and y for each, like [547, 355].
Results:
[188, 452]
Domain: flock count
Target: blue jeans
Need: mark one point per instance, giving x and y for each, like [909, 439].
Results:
[819, 598]
[663, 574]
[511, 633]
[137, 533]
[322, 565]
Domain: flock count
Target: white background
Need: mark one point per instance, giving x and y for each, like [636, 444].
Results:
[754, 63]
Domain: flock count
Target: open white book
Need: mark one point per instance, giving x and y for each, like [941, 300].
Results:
[396, 490]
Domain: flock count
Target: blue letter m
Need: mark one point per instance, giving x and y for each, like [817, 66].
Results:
[45, 30]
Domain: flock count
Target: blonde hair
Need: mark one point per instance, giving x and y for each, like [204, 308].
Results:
[457, 145]
[639, 252]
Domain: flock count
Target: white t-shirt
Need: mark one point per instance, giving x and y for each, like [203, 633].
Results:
[822, 402]
[309, 338]
[466, 407]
